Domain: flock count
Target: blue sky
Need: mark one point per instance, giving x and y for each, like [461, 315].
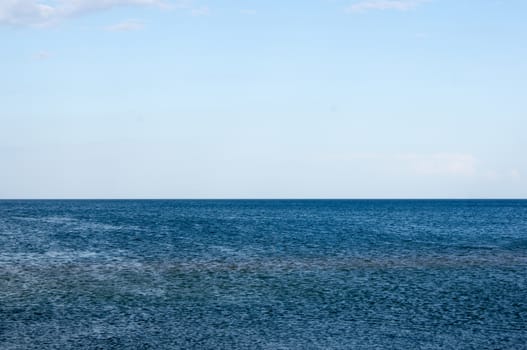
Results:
[263, 99]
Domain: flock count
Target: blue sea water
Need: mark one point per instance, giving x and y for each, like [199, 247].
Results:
[255, 274]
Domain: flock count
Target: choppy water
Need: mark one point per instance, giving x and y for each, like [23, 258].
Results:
[263, 274]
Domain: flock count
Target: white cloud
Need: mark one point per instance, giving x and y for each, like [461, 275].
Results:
[421, 164]
[44, 13]
[441, 163]
[502, 175]
[126, 26]
[400, 5]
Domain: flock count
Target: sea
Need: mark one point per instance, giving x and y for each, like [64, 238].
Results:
[263, 274]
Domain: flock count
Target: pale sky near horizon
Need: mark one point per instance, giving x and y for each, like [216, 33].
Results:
[263, 99]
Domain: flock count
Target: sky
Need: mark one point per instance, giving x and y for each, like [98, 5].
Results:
[263, 99]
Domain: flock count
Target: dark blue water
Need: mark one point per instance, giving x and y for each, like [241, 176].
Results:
[263, 274]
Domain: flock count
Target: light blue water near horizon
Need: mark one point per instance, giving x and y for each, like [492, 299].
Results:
[263, 274]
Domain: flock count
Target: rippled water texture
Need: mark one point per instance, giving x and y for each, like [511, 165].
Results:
[263, 274]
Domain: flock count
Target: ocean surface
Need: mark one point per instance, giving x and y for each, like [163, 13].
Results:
[258, 274]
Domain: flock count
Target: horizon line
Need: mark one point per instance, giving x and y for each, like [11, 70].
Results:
[259, 199]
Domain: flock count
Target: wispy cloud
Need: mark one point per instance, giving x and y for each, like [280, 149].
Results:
[40, 13]
[440, 163]
[399, 5]
[126, 26]
[41, 55]
[248, 12]
[515, 174]
[419, 164]
[201, 11]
